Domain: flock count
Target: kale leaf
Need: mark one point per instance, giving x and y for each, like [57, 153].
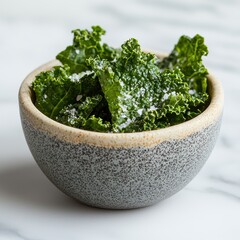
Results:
[80, 115]
[124, 84]
[86, 44]
[97, 124]
[75, 114]
[187, 56]
[58, 88]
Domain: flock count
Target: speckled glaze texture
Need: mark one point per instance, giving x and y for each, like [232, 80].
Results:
[119, 170]
[124, 177]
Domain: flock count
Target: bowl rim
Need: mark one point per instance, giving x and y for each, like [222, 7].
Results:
[151, 138]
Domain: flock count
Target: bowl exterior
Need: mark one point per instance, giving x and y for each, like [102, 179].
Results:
[120, 178]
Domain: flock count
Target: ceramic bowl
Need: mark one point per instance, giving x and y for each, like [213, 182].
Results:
[119, 170]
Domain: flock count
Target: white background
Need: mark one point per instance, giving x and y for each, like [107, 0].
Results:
[32, 33]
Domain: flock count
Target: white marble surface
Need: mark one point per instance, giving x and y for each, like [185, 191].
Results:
[31, 208]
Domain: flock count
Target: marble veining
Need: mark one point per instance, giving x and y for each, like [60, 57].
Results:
[13, 234]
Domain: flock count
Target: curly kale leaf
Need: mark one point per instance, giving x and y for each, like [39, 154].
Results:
[57, 88]
[187, 55]
[85, 44]
[131, 85]
[173, 103]
[75, 114]
[97, 124]
[81, 115]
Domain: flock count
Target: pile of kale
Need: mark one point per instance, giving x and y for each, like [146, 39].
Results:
[100, 88]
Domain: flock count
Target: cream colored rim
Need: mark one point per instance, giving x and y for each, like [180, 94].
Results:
[117, 140]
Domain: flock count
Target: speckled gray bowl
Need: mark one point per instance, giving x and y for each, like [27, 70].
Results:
[119, 170]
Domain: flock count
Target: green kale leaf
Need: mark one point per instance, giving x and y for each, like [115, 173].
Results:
[57, 88]
[81, 115]
[187, 56]
[131, 84]
[86, 44]
[97, 124]
[75, 115]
